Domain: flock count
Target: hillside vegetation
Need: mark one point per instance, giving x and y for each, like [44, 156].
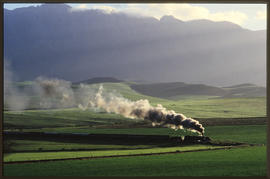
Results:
[191, 107]
[234, 162]
[179, 90]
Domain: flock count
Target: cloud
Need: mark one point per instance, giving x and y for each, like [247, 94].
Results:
[261, 15]
[81, 7]
[181, 11]
[231, 16]
[106, 9]
[188, 12]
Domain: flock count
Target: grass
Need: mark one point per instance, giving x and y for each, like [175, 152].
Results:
[60, 118]
[220, 108]
[125, 90]
[191, 107]
[200, 106]
[77, 154]
[249, 161]
[132, 131]
[35, 145]
[211, 108]
[193, 97]
[253, 134]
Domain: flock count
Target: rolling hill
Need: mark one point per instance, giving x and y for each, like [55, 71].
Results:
[186, 103]
[99, 80]
[179, 89]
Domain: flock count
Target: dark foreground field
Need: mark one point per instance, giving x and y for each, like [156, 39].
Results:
[249, 161]
[242, 161]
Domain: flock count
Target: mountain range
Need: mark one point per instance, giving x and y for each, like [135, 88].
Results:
[54, 41]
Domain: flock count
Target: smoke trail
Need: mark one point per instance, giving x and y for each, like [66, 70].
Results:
[142, 109]
[59, 93]
[14, 98]
[54, 93]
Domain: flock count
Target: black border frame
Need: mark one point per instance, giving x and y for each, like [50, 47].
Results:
[135, 1]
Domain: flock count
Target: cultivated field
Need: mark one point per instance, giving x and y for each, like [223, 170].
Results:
[227, 121]
[250, 161]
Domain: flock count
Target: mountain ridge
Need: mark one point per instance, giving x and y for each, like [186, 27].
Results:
[81, 44]
[96, 80]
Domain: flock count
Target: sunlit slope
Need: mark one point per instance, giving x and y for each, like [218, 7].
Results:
[219, 108]
[72, 117]
[195, 108]
[180, 90]
[200, 107]
[126, 91]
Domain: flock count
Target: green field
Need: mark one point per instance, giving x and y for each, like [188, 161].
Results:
[180, 90]
[244, 133]
[233, 162]
[78, 154]
[74, 117]
[60, 118]
[39, 145]
[191, 107]
[252, 134]
[224, 119]
[198, 106]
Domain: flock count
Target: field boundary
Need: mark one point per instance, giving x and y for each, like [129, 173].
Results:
[131, 155]
[262, 120]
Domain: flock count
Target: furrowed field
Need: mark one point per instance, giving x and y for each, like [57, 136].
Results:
[226, 120]
[249, 161]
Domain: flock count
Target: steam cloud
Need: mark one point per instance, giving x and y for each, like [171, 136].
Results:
[54, 93]
[60, 94]
[14, 98]
[142, 109]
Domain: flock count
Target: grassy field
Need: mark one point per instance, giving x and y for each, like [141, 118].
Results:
[39, 145]
[249, 161]
[200, 106]
[218, 108]
[177, 90]
[214, 108]
[252, 134]
[133, 131]
[191, 107]
[77, 154]
[60, 118]
[245, 133]
[246, 161]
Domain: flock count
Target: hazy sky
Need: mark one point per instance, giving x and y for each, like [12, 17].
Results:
[250, 16]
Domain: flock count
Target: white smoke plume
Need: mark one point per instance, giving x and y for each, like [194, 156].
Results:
[142, 109]
[14, 98]
[55, 93]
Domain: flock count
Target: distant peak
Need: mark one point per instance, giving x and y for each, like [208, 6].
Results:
[55, 5]
[169, 18]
